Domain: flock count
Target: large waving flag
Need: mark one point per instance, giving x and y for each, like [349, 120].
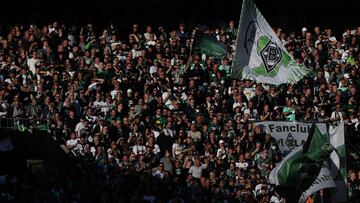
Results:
[259, 53]
[302, 171]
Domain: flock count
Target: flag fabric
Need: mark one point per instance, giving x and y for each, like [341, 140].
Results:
[259, 53]
[338, 163]
[300, 169]
[334, 173]
[208, 45]
[290, 136]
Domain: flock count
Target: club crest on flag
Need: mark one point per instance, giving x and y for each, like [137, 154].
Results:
[290, 141]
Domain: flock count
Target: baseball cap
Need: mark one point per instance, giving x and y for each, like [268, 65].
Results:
[221, 142]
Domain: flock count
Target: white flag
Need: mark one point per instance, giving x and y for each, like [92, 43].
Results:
[259, 53]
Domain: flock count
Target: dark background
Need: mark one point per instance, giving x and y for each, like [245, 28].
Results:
[291, 15]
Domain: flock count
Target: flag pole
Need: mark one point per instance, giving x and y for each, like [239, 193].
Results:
[237, 39]
[191, 48]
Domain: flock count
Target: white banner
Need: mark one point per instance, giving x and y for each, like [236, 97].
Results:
[289, 135]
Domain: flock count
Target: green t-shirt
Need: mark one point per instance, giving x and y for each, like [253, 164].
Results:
[291, 116]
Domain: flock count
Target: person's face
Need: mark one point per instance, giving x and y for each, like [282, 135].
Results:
[73, 136]
[148, 29]
[212, 175]
[338, 107]
[126, 121]
[353, 176]
[264, 154]
[289, 103]
[139, 141]
[197, 162]
[161, 167]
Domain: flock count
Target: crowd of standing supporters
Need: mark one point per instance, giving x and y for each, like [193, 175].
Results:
[158, 122]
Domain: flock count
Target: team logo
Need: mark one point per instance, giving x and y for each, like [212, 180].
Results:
[290, 141]
[272, 56]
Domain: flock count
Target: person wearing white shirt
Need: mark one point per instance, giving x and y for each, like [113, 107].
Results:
[159, 172]
[153, 69]
[149, 33]
[338, 114]
[177, 148]
[139, 148]
[32, 62]
[197, 168]
[168, 130]
[221, 152]
[150, 41]
[79, 126]
[72, 142]
[99, 103]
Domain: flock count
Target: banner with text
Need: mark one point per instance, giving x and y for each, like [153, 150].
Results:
[289, 135]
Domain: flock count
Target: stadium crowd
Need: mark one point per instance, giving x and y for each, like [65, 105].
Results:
[159, 122]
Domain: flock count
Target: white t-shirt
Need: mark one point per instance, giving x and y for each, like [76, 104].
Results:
[78, 127]
[138, 149]
[159, 174]
[196, 171]
[71, 142]
[177, 149]
[31, 63]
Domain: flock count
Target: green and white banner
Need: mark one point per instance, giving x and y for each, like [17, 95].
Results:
[259, 54]
[338, 163]
[291, 136]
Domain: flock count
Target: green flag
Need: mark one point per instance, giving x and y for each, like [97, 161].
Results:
[301, 168]
[209, 45]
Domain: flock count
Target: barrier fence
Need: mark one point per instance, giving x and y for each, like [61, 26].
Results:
[30, 123]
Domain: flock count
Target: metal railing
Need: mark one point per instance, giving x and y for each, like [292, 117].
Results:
[30, 123]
